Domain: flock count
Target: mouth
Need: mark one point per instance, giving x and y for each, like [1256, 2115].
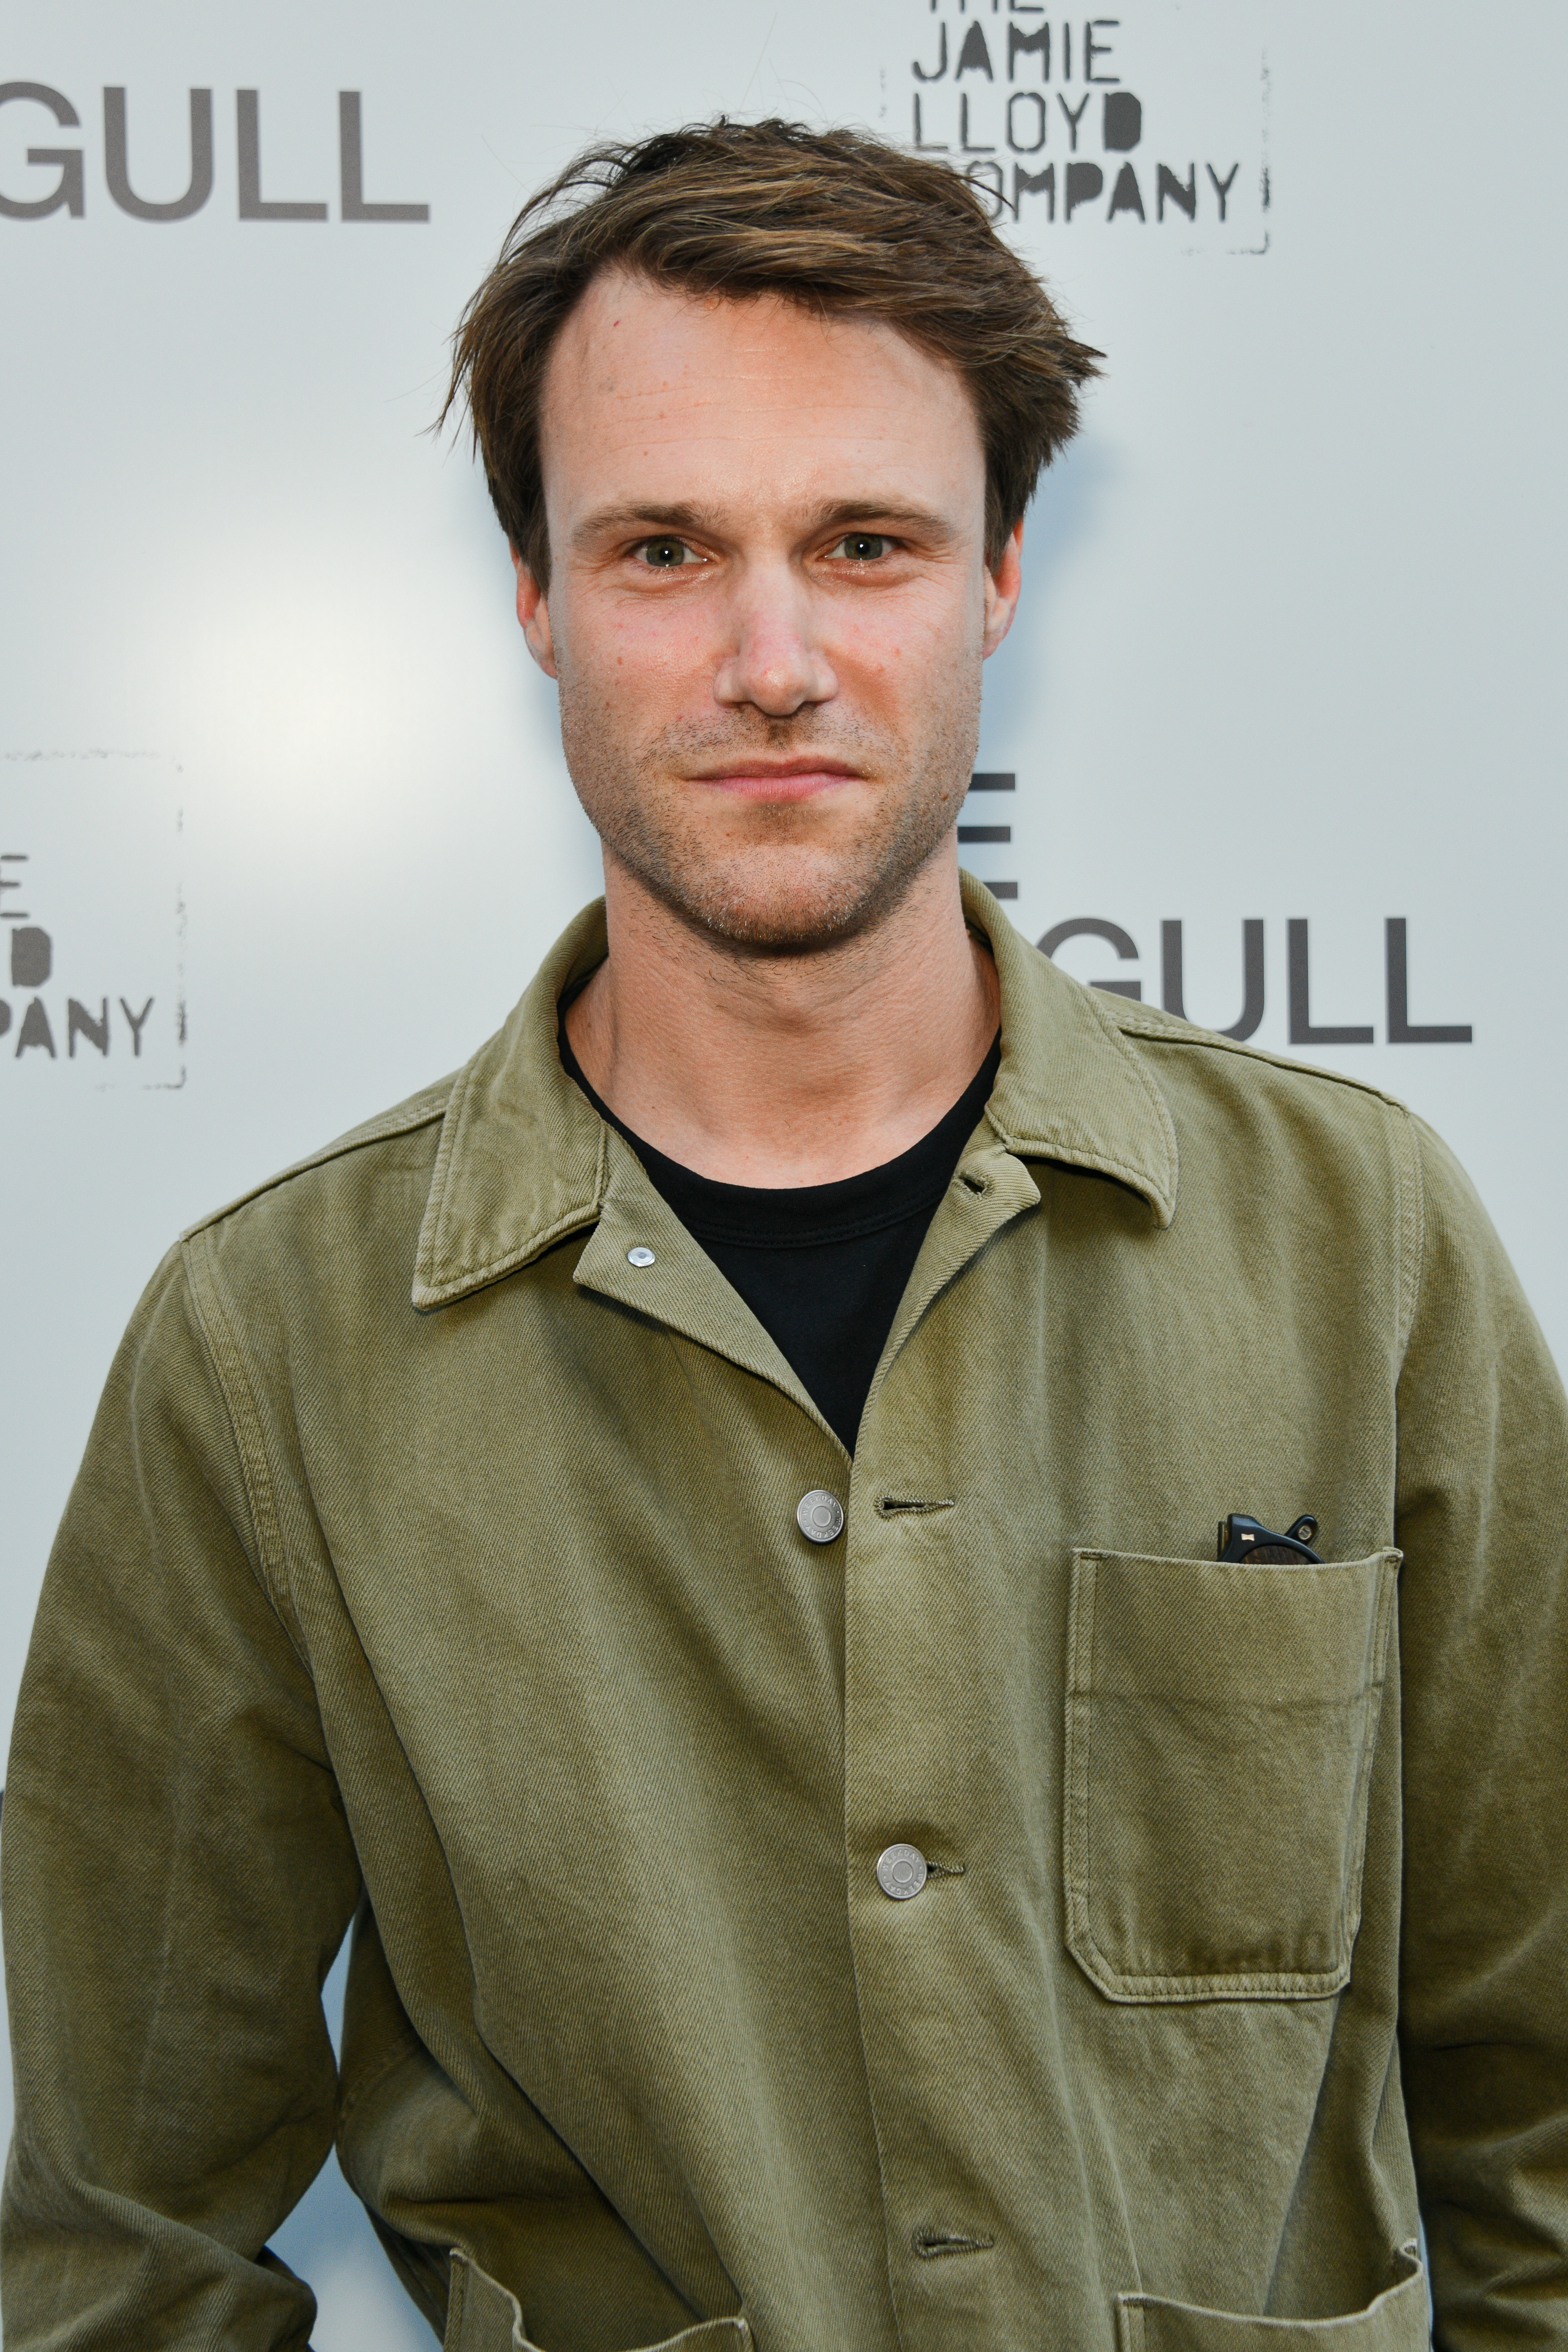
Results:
[779, 780]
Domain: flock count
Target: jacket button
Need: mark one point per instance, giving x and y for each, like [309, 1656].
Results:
[819, 1516]
[641, 1255]
[901, 1872]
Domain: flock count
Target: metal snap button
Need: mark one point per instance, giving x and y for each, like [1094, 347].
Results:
[901, 1871]
[819, 1516]
[641, 1255]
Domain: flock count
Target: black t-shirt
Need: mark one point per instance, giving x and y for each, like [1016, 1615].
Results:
[821, 1266]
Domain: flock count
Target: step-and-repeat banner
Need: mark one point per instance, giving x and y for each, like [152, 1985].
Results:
[284, 825]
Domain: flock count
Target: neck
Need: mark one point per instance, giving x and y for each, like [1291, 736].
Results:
[776, 1070]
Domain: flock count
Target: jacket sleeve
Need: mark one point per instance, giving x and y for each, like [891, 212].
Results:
[177, 1876]
[1483, 1521]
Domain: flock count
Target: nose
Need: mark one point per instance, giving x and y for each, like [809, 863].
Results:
[775, 660]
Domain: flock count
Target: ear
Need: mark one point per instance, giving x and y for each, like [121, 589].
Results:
[1003, 585]
[534, 612]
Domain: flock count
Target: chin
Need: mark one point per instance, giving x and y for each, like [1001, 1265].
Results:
[781, 896]
[781, 914]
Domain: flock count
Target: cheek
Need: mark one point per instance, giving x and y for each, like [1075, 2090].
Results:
[903, 647]
[646, 651]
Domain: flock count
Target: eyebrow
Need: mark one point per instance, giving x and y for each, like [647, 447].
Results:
[606, 522]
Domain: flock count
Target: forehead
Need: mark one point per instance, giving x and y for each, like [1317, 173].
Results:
[652, 391]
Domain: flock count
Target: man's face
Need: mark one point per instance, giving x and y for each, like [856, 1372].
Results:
[768, 602]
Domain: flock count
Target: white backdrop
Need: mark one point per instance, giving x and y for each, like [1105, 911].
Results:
[281, 803]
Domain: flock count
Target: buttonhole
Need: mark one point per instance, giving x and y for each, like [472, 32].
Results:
[976, 1184]
[943, 1869]
[892, 1506]
[930, 2244]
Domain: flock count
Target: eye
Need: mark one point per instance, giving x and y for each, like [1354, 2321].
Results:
[862, 546]
[665, 554]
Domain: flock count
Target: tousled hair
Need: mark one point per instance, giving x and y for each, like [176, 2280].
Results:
[834, 220]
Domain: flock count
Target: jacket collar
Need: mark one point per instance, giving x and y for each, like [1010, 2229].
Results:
[523, 1159]
[1072, 1086]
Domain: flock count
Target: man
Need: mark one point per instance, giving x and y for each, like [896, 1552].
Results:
[698, 1533]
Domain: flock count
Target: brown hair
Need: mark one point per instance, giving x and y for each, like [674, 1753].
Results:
[832, 219]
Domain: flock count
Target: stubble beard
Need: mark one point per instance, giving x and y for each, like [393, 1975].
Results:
[783, 889]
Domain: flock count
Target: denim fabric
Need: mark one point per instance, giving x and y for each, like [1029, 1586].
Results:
[434, 1567]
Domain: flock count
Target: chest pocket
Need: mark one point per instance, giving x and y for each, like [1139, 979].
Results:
[484, 2316]
[1221, 1721]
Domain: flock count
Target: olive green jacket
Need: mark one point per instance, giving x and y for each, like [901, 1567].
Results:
[434, 1564]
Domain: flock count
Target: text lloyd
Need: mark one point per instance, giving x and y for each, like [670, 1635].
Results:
[1303, 1030]
[68, 193]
